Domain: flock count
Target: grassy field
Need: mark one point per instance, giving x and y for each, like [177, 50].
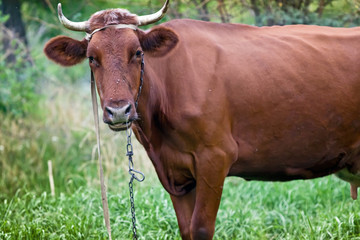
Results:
[63, 133]
[319, 209]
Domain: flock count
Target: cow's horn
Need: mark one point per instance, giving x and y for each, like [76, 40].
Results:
[76, 26]
[148, 19]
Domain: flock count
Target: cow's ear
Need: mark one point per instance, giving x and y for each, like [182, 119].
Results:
[158, 41]
[66, 51]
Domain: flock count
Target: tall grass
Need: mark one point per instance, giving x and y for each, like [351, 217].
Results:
[312, 209]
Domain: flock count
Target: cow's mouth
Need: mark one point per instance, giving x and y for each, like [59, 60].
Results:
[119, 126]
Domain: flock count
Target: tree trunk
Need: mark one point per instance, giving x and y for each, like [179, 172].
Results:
[256, 9]
[202, 10]
[225, 18]
[13, 28]
[14, 23]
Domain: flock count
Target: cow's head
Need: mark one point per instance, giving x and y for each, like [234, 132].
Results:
[114, 46]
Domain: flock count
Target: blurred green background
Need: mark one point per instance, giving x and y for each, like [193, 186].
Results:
[45, 115]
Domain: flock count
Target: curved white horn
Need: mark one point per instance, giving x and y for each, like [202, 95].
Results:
[76, 26]
[148, 19]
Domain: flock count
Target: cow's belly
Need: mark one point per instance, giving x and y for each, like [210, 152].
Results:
[279, 172]
[288, 152]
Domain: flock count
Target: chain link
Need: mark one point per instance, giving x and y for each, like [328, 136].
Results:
[132, 172]
[141, 79]
[132, 207]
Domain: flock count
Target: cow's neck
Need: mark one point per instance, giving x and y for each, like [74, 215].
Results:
[148, 129]
[151, 101]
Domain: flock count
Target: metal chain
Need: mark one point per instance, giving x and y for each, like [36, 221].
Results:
[141, 79]
[132, 172]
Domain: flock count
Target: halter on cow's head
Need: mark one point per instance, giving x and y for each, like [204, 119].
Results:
[115, 47]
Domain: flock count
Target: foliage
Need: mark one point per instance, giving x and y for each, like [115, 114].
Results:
[64, 137]
[256, 12]
[320, 12]
[18, 87]
[271, 12]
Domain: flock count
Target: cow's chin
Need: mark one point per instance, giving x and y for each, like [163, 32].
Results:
[119, 127]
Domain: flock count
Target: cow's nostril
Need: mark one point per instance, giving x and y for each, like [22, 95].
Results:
[109, 112]
[114, 115]
[128, 109]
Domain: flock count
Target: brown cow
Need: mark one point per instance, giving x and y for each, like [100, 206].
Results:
[269, 103]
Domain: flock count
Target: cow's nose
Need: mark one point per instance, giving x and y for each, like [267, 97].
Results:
[113, 115]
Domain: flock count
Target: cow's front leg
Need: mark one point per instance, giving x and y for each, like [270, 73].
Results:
[209, 186]
[196, 211]
[184, 207]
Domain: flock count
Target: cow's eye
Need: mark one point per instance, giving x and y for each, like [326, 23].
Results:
[138, 53]
[91, 59]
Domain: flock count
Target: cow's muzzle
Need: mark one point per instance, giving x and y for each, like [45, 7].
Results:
[119, 118]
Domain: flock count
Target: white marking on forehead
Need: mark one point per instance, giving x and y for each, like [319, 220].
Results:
[112, 15]
[117, 26]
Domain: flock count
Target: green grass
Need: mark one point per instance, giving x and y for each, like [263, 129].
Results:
[312, 209]
[317, 209]
[79, 215]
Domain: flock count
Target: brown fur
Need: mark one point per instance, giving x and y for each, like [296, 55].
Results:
[159, 41]
[111, 17]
